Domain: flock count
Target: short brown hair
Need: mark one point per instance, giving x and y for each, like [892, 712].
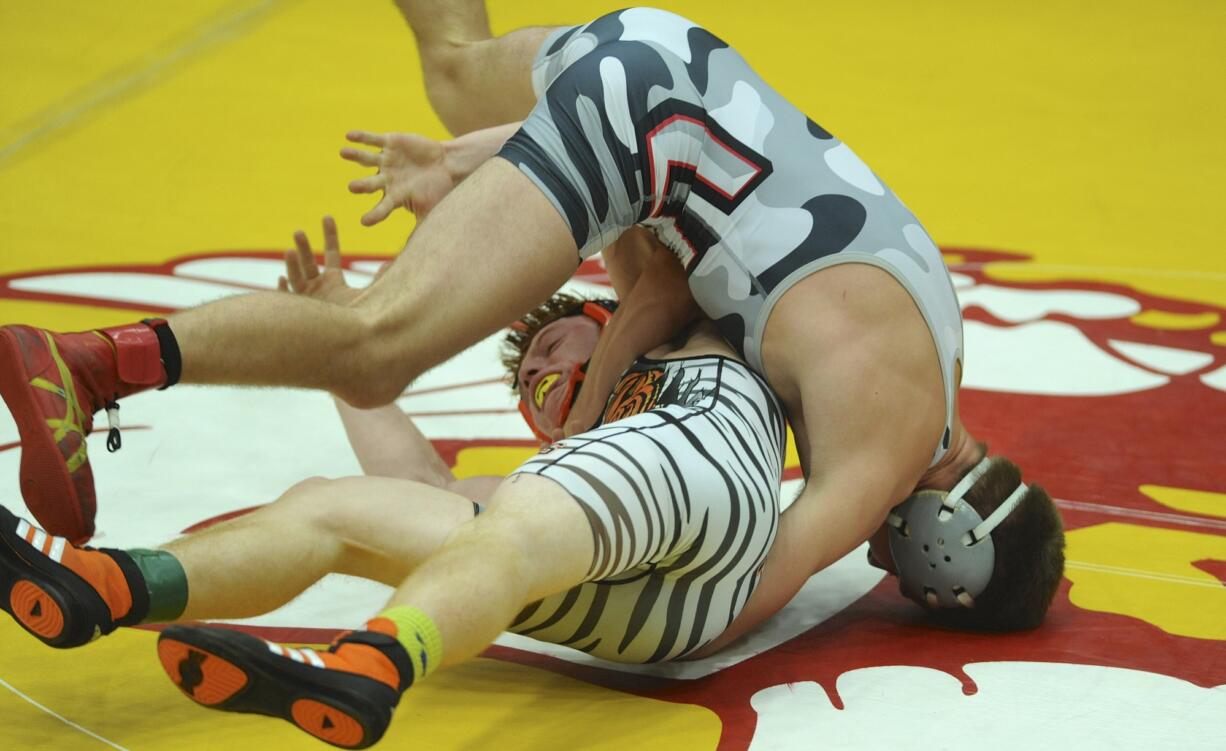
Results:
[1029, 546]
[525, 330]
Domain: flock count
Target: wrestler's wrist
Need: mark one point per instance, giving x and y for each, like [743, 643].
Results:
[462, 156]
[453, 159]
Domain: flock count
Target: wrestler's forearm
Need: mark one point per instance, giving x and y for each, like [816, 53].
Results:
[463, 155]
[636, 329]
[626, 258]
[657, 308]
[388, 444]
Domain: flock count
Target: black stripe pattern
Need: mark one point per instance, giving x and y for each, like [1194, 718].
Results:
[683, 501]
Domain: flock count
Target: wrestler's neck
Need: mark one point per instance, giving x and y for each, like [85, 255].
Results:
[963, 454]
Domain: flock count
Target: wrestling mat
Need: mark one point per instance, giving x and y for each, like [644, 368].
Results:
[1068, 158]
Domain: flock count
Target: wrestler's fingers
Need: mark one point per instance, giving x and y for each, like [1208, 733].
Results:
[305, 257]
[293, 271]
[282, 284]
[366, 137]
[332, 245]
[367, 184]
[380, 212]
[364, 158]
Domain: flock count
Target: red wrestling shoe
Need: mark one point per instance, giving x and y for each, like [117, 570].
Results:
[53, 384]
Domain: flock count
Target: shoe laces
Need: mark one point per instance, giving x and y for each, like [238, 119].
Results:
[113, 440]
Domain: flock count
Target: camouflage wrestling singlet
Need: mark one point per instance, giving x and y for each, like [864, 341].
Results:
[644, 118]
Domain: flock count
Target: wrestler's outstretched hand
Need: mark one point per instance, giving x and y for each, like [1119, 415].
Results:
[412, 172]
[302, 274]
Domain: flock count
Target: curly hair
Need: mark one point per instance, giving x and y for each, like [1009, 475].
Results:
[525, 329]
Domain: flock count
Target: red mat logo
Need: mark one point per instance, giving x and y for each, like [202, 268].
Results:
[1112, 399]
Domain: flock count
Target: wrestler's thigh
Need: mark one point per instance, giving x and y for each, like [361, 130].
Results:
[488, 82]
[492, 250]
[595, 102]
[387, 525]
[683, 504]
[547, 526]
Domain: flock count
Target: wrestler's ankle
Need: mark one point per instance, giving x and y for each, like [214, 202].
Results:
[416, 634]
[137, 586]
[165, 584]
[146, 355]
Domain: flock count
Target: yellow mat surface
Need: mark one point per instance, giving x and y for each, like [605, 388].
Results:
[1086, 137]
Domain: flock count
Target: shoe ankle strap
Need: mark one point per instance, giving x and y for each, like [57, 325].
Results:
[389, 646]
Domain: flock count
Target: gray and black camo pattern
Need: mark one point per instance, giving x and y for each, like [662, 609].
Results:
[645, 118]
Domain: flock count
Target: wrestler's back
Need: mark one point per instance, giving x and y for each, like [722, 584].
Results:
[848, 340]
[838, 269]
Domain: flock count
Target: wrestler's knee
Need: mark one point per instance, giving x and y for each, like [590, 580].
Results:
[305, 499]
[498, 540]
[321, 503]
[378, 390]
[485, 530]
[381, 360]
[539, 531]
[448, 68]
[444, 62]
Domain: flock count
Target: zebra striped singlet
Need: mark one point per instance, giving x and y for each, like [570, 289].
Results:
[680, 483]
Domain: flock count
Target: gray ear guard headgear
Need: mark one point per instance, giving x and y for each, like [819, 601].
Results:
[942, 548]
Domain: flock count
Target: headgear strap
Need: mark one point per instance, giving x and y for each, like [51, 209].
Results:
[967, 482]
[942, 548]
[996, 517]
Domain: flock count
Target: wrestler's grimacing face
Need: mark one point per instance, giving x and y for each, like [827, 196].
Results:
[551, 357]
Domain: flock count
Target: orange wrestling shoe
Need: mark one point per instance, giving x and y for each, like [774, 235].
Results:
[64, 595]
[344, 696]
[53, 384]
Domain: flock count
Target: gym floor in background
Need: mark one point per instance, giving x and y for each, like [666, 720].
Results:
[1067, 157]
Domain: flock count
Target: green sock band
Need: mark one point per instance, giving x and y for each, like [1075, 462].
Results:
[166, 582]
[419, 637]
